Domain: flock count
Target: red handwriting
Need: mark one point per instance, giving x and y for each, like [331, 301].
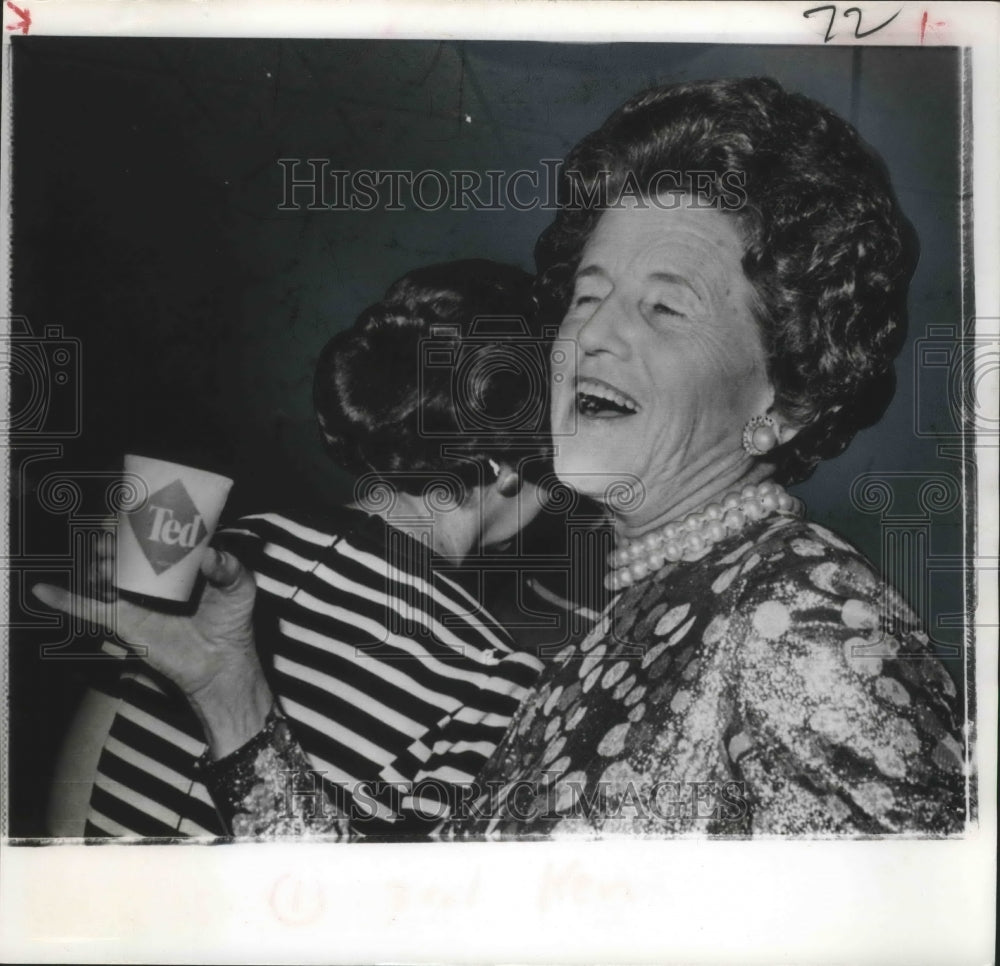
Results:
[572, 884]
[859, 34]
[923, 25]
[416, 900]
[24, 15]
[296, 902]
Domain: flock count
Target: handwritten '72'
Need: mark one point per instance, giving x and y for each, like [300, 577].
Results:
[859, 34]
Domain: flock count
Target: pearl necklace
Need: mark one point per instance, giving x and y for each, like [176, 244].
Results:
[691, 537]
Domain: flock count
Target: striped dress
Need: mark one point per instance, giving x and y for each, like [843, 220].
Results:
[398, 685]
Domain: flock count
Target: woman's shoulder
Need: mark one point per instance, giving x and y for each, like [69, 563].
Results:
[344, 553]
[792, 558]
[783, 562]
[800, 581]
[818, 603]
[313, 527]
[307, 532]
[282, 547]
[833, 675]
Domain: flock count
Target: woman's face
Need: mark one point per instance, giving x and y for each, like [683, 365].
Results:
[669, 364]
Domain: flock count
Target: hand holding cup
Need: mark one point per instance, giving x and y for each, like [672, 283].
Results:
[209, 654]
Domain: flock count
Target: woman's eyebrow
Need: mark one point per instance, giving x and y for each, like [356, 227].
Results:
[675, 279]
[590, 271]
[669, 277]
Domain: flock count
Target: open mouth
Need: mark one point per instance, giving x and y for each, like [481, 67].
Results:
[599, 400]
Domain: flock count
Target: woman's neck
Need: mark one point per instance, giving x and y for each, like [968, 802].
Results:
[705, 487]
[453, 530]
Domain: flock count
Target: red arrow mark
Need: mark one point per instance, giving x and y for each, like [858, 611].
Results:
[25, 16]
[923, 25]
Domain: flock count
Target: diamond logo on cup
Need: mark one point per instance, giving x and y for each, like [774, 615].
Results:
[168, 527]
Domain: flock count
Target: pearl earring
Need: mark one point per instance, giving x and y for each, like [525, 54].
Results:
[495, 466]
[760, 435]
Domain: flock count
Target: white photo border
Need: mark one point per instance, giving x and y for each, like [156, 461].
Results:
[625, 901]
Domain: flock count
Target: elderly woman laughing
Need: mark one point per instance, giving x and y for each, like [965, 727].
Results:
[737, 294]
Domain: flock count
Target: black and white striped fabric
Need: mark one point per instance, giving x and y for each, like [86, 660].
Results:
[397, 683]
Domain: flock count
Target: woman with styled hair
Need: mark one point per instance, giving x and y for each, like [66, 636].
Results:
[753, 675]
[344, 635]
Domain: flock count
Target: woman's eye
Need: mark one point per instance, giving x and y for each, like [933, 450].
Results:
[584, 300]
[661, 308]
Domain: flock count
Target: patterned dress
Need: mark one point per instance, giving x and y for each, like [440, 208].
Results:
[775, 686]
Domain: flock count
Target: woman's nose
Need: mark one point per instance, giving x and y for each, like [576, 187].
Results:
[605, 331]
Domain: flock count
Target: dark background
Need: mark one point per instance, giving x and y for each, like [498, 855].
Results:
[191, 310]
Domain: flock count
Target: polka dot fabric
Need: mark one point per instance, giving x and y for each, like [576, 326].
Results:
[776, 686]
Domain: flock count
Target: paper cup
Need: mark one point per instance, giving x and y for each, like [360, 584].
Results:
[162, 536]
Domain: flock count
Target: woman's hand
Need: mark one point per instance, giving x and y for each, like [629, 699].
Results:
[210, 655]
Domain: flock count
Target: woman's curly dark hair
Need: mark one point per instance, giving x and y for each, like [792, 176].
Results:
[827, 249]
[442, 375]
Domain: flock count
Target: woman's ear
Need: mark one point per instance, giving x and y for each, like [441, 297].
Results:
[508, 482]
[787, 430]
